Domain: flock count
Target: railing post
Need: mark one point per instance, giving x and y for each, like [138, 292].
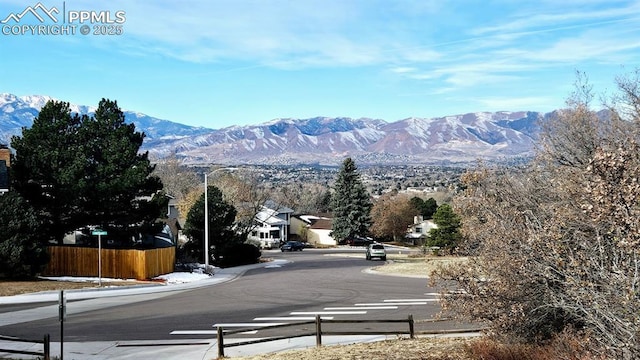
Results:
[47, 347]
[318, 331]
[411, 331]
[220, 342]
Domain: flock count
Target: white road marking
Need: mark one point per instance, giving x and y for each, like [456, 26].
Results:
[246, 325]
[328, 313]
[395, 304]
[193, 332]
[407, 300]
[292, 318]
[362, 308]
[206, 332]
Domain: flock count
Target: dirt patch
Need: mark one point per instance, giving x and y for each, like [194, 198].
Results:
[416, 267]
[401, 349]
[10, 288]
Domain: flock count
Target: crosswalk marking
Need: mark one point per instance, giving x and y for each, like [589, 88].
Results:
[328, 313]
[362, 308]
[246, 325]
[357, 309]
[206, 332]
[395, 304]
[292, 318]
[193, 332]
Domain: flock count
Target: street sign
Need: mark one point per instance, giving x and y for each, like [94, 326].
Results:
[98, 232]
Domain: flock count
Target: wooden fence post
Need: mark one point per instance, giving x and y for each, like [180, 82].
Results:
[318, 331]
[411, 331]
[220, 342]
[47, 347]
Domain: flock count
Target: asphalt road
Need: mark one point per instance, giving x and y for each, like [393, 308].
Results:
[312, 281]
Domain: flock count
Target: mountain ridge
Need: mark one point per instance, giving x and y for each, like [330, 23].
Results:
[318, 140]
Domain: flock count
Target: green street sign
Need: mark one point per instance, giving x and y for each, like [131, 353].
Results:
[98, 232]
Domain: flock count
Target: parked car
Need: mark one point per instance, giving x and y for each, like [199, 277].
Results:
[292, 246]
[376, 250]
[359, 241]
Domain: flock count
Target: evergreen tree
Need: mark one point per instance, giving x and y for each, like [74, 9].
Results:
[119, 192]
[429, 207]
[22, 249]
[426, 208]
[447, 234]
[221, 222]
[350, 203]
[48, 170]
[77, 171]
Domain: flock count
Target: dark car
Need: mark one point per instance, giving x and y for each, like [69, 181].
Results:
[360, 241]
[292, 246]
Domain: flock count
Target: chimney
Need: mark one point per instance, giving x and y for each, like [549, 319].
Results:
[5, 155]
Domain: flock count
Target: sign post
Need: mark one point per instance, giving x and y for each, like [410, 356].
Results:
[62, 314]
[99, 233]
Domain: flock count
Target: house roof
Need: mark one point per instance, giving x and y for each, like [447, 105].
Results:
[270, 217]
[272, 205]
[321, 224]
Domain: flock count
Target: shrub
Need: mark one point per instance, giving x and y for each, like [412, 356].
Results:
[240, 254]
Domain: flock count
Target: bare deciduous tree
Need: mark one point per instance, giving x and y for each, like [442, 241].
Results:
[555, 244]
[391, 215]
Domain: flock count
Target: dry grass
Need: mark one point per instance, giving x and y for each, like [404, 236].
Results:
[10, 288]
[416, 266]
[401, 349]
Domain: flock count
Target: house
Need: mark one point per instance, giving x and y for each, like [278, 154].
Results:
[273, 224]
[418, 232]
[313, 229]
[5, 164]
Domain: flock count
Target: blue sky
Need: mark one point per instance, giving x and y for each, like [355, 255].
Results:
[219, 63]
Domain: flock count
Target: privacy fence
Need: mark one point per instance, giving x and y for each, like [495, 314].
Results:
[116, 263]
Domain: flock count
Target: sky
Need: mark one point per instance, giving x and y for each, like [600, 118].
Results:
[218, 63]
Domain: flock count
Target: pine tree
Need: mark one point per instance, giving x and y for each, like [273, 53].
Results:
[120, 194]
[49, 169]
[447, 234]
[221, 221]
[78, 170]
[351, 204]
[22, 249]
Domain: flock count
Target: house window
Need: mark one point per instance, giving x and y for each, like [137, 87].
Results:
[418, 230]
[274, 234]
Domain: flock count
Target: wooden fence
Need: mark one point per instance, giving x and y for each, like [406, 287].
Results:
[116, 263]
[46, 344]
[318, 331]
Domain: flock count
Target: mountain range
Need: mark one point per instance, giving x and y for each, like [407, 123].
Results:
[319, 140]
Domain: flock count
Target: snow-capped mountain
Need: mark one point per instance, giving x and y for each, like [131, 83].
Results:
[468, 137]
[18, 112]
[323, 140]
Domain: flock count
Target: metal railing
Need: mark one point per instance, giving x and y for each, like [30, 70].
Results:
[46, 344]
[318, 332]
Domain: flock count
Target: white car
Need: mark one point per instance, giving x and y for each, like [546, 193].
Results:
[376, 250]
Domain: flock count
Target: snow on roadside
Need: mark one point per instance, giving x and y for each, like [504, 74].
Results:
[81, 279]
[197, 274]
[182, 277]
